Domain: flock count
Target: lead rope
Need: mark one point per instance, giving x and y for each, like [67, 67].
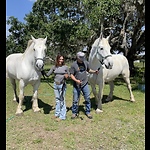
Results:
[48, 82]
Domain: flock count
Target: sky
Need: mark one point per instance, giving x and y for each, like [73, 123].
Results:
[18, 9]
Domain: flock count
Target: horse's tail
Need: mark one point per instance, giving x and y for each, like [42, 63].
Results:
[6, 68]
[7, 75]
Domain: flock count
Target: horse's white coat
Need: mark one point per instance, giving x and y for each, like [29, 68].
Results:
[100, 57]
[26, 68]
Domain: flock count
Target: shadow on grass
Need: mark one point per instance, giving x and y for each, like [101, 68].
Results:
[93, 103]
[28, 105]
[119, 81]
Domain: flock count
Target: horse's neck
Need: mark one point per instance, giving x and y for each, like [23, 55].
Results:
[94, 62]
[28, 55]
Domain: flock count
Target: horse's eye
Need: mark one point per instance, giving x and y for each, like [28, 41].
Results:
[101, 48]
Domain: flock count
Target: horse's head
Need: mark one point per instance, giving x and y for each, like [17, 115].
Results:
[103, 52]
[39, 51]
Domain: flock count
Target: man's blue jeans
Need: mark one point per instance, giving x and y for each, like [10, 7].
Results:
[76, 95]
[60, 108]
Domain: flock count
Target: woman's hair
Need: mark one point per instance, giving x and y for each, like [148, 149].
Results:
[57, 60]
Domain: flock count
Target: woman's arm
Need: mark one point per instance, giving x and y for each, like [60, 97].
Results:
[49, 72]
[67, 75]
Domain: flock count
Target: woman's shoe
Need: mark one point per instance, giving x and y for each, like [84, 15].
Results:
[54, 117]
[58, 119]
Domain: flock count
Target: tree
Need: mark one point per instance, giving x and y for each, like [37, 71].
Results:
[131, 38]
[14, 42]
[70, 25]
[125, 19]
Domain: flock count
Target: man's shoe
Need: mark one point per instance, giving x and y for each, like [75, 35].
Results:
[89, 116]
[73, 116]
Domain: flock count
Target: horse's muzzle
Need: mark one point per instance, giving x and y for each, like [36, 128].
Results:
[39, 64]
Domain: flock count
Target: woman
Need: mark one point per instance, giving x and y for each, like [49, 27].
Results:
[61, 72]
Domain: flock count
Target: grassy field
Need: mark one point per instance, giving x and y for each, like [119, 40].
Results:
[121, 126]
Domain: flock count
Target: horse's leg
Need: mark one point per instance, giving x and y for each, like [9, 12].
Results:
[110, 96]
[35, 97]
[98, 103]
[94, 93]
[13, 82]
[127, 80]
[21, 97]
[100, 96]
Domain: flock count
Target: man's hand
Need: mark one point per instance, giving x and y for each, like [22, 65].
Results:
[78, 82]
[96, 71]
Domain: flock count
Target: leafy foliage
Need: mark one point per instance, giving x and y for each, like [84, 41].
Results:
[72, 24]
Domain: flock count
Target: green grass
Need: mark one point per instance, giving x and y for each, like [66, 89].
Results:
[121, 126]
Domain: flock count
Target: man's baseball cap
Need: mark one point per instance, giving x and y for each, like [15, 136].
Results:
[81, 56]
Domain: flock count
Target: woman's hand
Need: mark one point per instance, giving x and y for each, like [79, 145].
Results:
[66, 76]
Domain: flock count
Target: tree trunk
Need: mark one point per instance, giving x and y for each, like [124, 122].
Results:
[130, 58]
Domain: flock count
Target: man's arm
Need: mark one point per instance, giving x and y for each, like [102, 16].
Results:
[94, 71]
[74, 79]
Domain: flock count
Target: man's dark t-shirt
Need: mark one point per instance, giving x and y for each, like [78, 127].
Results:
[79, 70]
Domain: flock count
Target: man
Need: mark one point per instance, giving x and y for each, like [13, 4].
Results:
[78, 73]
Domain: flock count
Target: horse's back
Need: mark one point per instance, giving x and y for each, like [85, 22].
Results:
[120, 61]
[120, 66]
[13, 56]
[12, 61]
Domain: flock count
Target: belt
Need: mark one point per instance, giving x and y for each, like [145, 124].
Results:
[58, 83]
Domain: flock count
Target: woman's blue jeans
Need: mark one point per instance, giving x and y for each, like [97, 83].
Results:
[60, 107]
[76, 95]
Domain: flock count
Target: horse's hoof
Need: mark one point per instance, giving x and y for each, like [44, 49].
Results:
[19, 114]
[15, 100]
[98, 111]
[107, 100]
[132, 100]
[37, 111]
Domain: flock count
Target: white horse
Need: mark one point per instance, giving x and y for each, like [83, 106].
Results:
[26, 67]
[110, 67]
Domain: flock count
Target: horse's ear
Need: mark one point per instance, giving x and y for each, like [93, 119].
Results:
[45, 39]
[101, 35]
[32, 38]
[108, 37]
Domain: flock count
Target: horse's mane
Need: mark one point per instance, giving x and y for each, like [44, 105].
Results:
[93, 49]
[28, 45]
[96, 44]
